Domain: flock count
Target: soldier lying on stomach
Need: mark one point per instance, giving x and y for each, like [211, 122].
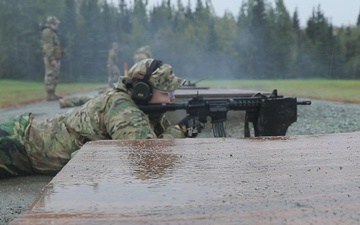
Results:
[31, 145]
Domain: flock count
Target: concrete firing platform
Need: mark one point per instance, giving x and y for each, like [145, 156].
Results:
[275, 180]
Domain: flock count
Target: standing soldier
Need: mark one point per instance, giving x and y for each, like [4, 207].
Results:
[52, 54]
[113, 59]
[142, 53]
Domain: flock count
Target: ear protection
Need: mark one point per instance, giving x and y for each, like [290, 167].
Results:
[141, 89]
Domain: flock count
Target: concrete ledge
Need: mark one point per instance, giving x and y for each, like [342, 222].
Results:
[277, 180]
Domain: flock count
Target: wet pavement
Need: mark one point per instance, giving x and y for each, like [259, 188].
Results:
[274, 180]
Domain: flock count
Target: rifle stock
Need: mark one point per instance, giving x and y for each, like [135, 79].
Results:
[270, 115]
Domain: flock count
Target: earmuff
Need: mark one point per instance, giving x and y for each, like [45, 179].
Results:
[141, 89]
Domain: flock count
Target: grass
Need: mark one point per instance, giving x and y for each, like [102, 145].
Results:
[20, 92]
[14, 92]
[331, 90]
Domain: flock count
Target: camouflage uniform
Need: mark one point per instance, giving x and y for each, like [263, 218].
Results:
[142, 53]
[74, 101]
[113, 69]
[52, 51]
[31, 145]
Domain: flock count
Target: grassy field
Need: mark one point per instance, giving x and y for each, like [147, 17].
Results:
[14, 93]
[331, 90]
[20, 92]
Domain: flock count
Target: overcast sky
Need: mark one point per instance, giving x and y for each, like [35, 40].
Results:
[340, 12]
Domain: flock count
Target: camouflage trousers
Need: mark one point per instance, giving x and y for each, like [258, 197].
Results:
[114, 74]
[52, 74]
[13, 157]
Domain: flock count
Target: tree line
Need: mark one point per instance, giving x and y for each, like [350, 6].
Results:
[263, 41]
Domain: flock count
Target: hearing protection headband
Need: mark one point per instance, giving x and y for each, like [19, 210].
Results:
[142, 89]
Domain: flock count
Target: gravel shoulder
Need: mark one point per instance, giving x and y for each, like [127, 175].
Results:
[322, 117]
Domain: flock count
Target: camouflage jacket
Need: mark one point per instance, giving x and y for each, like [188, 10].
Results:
[50, 44]
[112, 115]
[113, 57]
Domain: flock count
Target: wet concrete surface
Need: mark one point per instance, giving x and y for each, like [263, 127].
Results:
[276, 180]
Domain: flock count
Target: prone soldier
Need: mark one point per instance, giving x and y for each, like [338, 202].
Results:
[32, 145]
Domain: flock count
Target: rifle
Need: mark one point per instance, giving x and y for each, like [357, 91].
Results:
[271, 115]
[191, 84]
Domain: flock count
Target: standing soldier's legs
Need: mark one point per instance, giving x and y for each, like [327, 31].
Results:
[51, 79]
[13, 157]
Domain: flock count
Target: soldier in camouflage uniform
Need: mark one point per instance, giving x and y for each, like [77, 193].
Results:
[52, 54]
[31, 145]
[113, 60]
[142, 53]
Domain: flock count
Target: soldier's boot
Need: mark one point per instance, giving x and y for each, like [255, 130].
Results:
[52, 97]
[62, 103]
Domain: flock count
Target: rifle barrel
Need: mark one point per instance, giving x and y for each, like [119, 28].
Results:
[304, 103]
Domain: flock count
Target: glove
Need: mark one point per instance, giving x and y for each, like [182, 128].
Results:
[191, 126]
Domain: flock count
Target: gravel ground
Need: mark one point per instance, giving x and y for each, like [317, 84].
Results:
[321, 117]
[326, 118]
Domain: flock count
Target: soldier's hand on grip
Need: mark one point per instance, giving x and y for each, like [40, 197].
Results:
[190, 126]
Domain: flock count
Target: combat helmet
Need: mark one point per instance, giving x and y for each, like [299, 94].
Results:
[162, 78]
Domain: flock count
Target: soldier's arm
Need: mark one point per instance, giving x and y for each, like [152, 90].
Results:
[123, 120]
[170, 131]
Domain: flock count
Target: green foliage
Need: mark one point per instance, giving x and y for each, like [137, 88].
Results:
[15, 92]
[262, 41]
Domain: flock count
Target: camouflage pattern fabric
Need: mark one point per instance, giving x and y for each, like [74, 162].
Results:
[162, 79]
[52, 74]
[13, 157]
[50, 143]
[33, 145]
[52, 51]
[113, 69]
[142, 53]
[74, 101]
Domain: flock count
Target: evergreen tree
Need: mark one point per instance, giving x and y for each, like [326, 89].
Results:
[262, 42]
[282, 42]
[259, 31]
[296, 21]
[69, 40]
[324, 47]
